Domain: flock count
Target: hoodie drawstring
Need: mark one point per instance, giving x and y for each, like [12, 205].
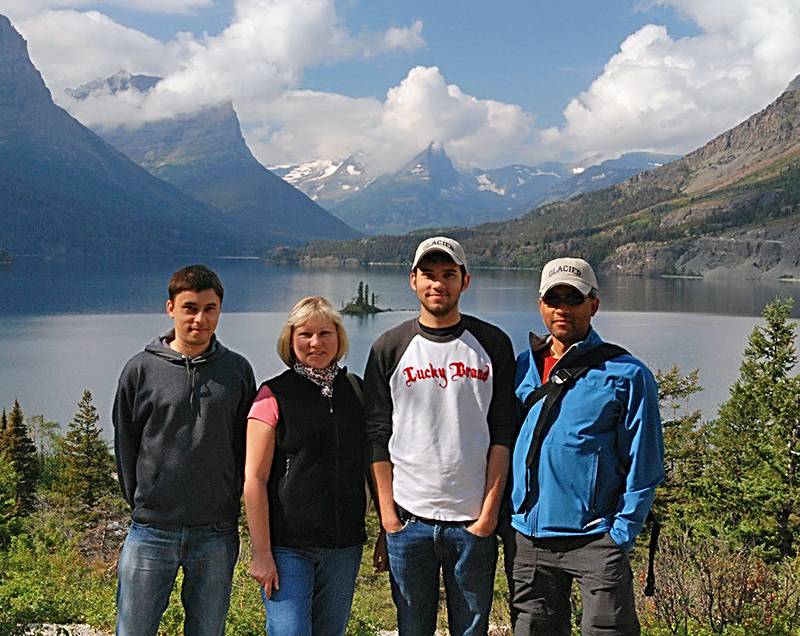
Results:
[191, 377]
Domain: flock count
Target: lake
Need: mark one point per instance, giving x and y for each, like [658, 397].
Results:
[69, 325]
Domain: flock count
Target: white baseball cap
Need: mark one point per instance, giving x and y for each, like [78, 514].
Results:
[440, 244]
[574, 272]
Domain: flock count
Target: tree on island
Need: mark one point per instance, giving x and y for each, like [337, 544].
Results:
[18, 449]
[85, 464]
[362, 303]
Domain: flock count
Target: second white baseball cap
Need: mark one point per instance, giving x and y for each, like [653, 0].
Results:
[575, 272]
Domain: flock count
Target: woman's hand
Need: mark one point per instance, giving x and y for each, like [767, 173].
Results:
[380, 557]
[264, 571]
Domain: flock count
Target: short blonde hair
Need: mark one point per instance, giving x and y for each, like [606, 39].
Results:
[300, 313]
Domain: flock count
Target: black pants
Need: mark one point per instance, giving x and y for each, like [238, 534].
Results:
[543, 571]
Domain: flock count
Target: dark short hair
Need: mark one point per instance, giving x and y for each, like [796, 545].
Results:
[194, 278]
[439, 257]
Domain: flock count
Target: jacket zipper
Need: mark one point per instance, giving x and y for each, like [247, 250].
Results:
[535, 520]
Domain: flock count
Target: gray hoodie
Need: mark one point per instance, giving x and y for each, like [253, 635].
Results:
[179, 432]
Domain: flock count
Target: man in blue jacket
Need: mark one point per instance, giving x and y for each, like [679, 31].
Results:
[581, 498]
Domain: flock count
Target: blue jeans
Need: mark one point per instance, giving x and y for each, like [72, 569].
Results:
[316, 591]
[148, 565]
[416, 555]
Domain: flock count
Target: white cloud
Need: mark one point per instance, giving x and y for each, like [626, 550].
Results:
[256, 59]
[656, 93]
[420, 110]
[674, 95]
[394, 39]
[307, 124]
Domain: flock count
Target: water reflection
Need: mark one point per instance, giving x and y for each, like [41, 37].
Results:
[38, 287]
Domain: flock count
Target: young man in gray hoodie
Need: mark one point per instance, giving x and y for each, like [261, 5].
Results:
[179, 430]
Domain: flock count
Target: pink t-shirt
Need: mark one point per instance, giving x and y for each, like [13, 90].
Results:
[265, 407]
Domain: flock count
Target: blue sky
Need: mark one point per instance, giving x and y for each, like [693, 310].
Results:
[535, 54]
[494, 83]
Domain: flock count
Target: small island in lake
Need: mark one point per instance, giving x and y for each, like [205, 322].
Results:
[362, 303]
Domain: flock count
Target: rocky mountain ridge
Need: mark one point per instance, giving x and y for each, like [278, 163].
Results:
[430, 190]
[729, 208]
[205, 155]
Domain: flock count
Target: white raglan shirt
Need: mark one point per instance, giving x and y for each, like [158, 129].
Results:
[440, 391]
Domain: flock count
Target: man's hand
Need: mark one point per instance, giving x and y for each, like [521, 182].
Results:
[391, 522]
[264, 571]
[481, 527]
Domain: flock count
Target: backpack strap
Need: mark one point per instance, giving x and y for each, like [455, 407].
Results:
[655, 530]
[569, 369]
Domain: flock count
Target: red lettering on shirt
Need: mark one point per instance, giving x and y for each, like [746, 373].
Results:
[461, 370]
[430, 373]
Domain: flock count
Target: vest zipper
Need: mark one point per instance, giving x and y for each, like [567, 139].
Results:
[338, 480]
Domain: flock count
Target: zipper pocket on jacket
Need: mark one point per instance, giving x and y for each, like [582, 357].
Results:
[288, 466]
[596, 480]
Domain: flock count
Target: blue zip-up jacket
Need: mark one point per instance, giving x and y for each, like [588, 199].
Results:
[600, 461]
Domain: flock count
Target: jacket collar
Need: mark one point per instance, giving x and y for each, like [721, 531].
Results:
[539, 343]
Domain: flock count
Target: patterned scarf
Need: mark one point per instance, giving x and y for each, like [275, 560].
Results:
[322, 377]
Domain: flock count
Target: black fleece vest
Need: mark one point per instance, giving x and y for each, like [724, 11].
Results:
[316, 485]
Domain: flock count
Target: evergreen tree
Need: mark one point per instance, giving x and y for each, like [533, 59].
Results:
[372, 304]
[366, 295]
[18, 448]
[86, 466]
[3, 422]
[43, 433]
[8, 503]
[684, 449]
[752, 479]
[360, 297]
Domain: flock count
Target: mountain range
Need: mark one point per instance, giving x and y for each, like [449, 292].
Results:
[729, 208]
[205, 155]
[429, 190]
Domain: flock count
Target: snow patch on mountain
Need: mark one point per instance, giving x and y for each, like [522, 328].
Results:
[485, 183]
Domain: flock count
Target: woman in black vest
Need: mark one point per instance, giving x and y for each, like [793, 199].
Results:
[304, 478]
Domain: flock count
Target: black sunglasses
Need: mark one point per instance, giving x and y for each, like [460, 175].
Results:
[571, 299]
